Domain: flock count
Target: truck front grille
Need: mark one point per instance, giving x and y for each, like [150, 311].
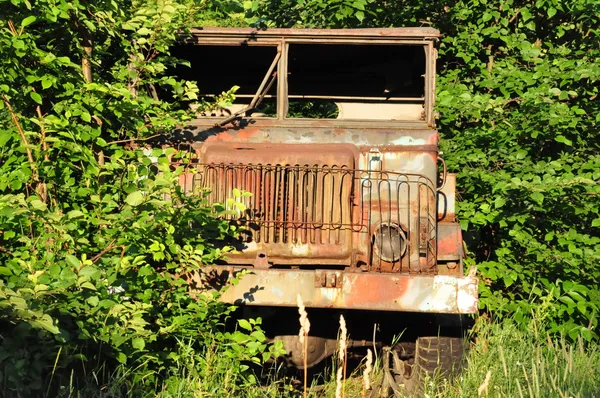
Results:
[388, 217]
[288, 204]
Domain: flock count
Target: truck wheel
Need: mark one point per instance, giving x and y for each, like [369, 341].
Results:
[434, 357]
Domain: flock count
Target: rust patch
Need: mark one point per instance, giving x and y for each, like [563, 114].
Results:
[363, 291]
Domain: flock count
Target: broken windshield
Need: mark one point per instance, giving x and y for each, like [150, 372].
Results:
[218, 68]
[323, 80]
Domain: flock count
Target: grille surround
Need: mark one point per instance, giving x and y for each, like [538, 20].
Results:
[317, 214]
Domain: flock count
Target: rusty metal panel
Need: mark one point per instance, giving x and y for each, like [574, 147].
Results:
[252, 34]
[449, 242]
[347, 290]
[312, 214]
[447, 199]
[407, 134]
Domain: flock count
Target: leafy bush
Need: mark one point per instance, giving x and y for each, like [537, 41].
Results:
[96, 237]
[521, 124]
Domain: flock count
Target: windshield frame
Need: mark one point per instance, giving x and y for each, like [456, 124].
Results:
[282, 38]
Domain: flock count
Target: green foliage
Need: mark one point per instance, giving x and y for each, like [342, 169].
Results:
[94, 258]
[517, 92]
[520, 120]
[523, 363]
[97, 240]
[222, 13]
[319, 109]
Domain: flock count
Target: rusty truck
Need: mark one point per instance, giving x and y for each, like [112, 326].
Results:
[333, 135]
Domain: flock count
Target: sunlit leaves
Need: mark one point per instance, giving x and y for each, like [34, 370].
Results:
[95, 237]
[28, 21]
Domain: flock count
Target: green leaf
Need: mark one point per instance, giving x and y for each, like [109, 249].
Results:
[138, 343]
[90, 271]
[538, 197]
[74, 214]
[46, 83]
[93, 301]
[360, 15]
[38, 205]
[73, 261]
[36, 97]
[258, 335]
[564, 140]
[88, 285]
[28, 21]
[144, 31]
[596, 222]
[121, 357]
[244, 324]
[531, 25]
[135, 198]
[551, 12]
[146, 270]
[91, 27]
[5, 135]
[359, 5]
[45, 322]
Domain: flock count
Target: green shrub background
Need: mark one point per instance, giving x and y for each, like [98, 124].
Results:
[93, 258]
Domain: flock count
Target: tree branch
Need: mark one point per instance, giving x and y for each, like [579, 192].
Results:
[43, 132]
[133, 139]
[86, 60]
[103, 252]
[23, 138]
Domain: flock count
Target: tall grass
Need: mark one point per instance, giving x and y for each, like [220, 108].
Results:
[507, 362]
[503, 361]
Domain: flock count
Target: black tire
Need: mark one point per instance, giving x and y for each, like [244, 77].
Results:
[435, 357]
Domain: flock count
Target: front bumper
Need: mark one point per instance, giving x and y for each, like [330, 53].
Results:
[346, 290]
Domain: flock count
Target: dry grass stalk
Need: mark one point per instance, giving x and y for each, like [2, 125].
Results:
[342, 355]
[503, 361]
[367, 373]
[303, 336]
[528, 382]
[338, 382]
[483, 388]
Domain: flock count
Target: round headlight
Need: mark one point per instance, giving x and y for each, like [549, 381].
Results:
[389, 241]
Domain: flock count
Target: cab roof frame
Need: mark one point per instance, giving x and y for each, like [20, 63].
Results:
[283, 37]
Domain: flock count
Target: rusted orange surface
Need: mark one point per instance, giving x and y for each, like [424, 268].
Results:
[350, 290]
[250, 33]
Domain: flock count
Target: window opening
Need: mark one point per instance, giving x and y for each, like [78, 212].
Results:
[347, 81]
[217, 69]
